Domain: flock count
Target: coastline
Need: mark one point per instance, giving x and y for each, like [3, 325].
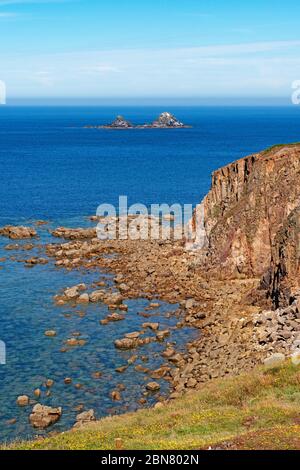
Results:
[165, 271]
[158, 271]
[234, 327]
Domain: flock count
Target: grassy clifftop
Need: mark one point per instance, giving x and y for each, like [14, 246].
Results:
[259, 410]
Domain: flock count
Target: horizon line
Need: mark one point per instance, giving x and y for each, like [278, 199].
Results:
[151, 101]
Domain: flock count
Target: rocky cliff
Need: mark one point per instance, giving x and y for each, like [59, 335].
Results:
[248, 224]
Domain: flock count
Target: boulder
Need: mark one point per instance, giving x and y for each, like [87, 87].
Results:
[18, 233]
[159, 373]
[151, 326]
[97, 296]
[189, 304]
[168, 353]
[74, 234]
[85, 418]
[121, 370]
[296, 358]
[154, 305]
[37, 393]
[72, 293]
[126, 343]
[132, 343]
[124, 288]
[115, 317]
[50, 333]
[115, 395]
[83, 299]
[23, 400]
[158, 405]
[44, 416]
[133, 335]
[113, 299]
[75, 342]
[274, 361]
[153, 387]
[161, 335]
[97, 375]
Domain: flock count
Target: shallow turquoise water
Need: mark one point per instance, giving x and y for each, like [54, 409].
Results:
[28, 310]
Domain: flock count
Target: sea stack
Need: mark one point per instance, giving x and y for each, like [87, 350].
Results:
[120, 123]
[164, 121]
[167, 120]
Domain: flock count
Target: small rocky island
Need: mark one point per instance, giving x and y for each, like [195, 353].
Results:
[164, 121]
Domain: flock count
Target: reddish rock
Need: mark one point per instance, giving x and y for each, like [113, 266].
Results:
[85, 418]
[44, 416]
[153, 386]
[248, 224]
[18, 233]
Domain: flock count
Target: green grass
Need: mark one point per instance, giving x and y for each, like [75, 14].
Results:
[279, 146]
[255, 410]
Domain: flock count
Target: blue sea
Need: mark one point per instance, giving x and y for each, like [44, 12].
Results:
[54, 169]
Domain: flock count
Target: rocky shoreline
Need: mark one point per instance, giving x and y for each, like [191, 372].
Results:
[240, 324]
[160, 270]
[164, 121]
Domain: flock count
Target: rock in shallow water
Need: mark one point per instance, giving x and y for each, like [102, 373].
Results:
[73, 293]
[50, 333]
[132, 343]
[151, 326]
[274, 361]
[85, 418]
[83, 299]
[44, 416]
[153, 386]
[23, 400]
[18, 233]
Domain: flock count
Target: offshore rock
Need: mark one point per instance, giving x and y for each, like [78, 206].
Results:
[164, 121]
[23, 400]
[274, 361]
[167, 120]
[119, 123]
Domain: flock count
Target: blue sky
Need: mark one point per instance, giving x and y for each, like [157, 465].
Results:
[167, 48]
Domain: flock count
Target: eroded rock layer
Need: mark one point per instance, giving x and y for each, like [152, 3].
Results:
[248, 224]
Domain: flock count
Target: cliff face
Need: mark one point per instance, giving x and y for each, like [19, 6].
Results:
[248, 224]
[282, 279]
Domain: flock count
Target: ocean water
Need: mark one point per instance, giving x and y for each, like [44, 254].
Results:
[52, 168]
